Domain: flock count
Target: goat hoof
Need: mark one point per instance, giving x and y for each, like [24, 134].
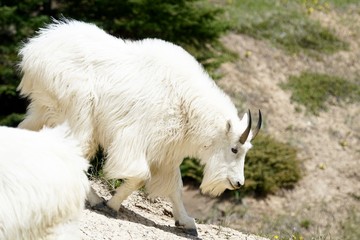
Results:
[190, 231]
[99, 206]
[102, 207]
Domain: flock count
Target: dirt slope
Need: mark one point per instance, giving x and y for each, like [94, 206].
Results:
[141, 218]
[328, 143]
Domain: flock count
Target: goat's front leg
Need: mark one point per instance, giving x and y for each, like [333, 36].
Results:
[112, 206]
[182, 219]
[168, 183]
[122, 192]
[93, 198]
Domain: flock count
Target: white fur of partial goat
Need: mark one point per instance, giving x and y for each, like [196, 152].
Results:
[43, 185]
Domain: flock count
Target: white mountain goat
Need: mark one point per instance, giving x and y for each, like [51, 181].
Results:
[147, 103]
[43, 186]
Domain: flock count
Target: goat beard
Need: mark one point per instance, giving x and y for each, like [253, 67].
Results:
[214, 188]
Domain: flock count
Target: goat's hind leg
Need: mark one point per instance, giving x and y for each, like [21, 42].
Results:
[34, 119]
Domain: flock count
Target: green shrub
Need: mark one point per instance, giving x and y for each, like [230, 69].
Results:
[18, 20]
[313, 90]
[11, 120]
[12, 106]
[342, 3]
[191, 171]
[179, 21]
[270, 165]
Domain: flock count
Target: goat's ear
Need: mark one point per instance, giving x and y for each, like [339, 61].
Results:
[245, 118]
[228, 127]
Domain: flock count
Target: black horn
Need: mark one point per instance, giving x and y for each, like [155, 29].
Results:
[258, 126]
[245, 134]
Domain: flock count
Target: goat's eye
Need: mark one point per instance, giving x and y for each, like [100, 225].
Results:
[234, 150]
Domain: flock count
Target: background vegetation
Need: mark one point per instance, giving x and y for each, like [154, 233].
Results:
[314, 90]
[285, 24]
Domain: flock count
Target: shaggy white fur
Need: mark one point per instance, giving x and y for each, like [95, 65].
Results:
[148, 103]
[43, 186]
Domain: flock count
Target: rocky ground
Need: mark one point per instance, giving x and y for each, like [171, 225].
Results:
[142, 218]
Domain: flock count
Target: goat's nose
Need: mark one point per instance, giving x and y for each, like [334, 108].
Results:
[240, 182]
[237, 183]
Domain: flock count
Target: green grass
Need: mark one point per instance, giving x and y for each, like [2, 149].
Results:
[281, 227]
[342, 3]
[313, 90]
[286, 24]
[294, 227]
[351, 230]
[95, 171]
